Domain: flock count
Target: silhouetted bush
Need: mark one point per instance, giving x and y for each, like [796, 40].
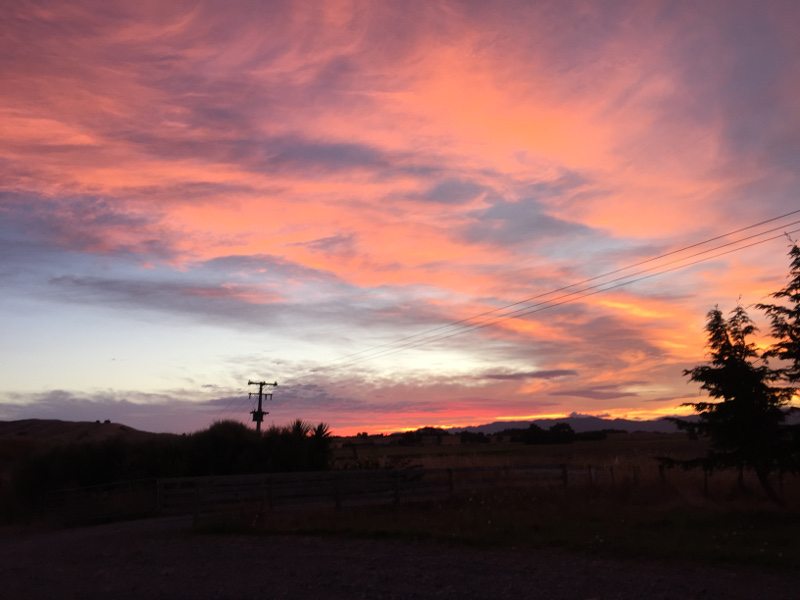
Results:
[225, 448]
[560, 433]
[595, 435]
[418, 436]
[470, 437]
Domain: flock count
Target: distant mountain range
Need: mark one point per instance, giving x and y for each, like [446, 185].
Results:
[579, 424]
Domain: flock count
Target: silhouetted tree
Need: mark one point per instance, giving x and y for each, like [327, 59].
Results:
[299, 428]
[561, 433]
[784, 319]
[744, 423]
[534, 435]
[320, 445]
[226, 447]
[321, 431]
[785, 322]
[474, 437]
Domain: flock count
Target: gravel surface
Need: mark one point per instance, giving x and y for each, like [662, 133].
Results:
[163, 559]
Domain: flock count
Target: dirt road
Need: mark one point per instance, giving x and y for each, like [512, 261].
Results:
[164, 559]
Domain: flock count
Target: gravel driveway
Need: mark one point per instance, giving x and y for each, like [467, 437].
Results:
[163, 559]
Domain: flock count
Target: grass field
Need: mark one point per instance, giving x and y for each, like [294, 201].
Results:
[627, 506]
[637, 511]
[636, 521]
[616, 449]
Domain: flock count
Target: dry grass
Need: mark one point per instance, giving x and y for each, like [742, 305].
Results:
[626, 449]
[632, 510]
[644, 521]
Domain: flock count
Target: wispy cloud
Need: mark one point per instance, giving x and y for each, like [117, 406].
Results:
[523, 375]
[319, 180]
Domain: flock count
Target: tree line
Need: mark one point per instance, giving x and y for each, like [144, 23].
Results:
[225, 448]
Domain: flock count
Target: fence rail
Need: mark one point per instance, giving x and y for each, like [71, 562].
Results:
[256, 494]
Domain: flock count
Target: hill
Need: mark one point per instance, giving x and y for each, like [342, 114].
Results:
[19, 439]
[579, 423]
[53, 431]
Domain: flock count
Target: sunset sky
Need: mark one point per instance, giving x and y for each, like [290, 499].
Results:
[197, 194]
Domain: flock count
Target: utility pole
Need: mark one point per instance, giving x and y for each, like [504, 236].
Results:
[258, 414]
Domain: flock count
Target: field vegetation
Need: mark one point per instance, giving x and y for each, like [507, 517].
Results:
[632, 507]
[649, 521]
[629, 506]
[36, 470]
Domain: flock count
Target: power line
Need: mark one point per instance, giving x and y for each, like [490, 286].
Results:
[579, 294]
[618, 285]
[578, 283]
[426, 336]
[735, 242]
[551, 303]
[226, 412]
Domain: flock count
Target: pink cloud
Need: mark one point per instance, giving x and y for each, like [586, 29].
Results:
[420, 165]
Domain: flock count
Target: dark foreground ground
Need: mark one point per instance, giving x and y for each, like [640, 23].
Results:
[164, 559]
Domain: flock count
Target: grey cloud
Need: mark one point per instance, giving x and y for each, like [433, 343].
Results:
[194, 192]
[299, 153]
[743, 76]
[149, 412]
[171, 411]
[340, 244]
[247, 291]
[615, 336]
[569, 182]
[80, 223]
[220, 113]
[247, 266]
[598, 392]
[508, 223]
[523, 375]
[598, 343]
[453, 191]
[290, 153]
[207, 301]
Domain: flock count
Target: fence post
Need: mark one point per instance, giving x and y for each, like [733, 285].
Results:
[662, 475]
[450, 485]
[197, 500]
[611, 472]
[396, 487]
[636, 475]
[705, 483]
[269, 492]
[158, 498]
[591, 475]
[337, 499]
[565, 475]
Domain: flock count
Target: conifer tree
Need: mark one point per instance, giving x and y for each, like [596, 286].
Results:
[785, 322]
[784, 319]
[743, 422]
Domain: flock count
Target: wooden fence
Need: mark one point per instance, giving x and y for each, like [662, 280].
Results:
[106, 502]
[256, 494]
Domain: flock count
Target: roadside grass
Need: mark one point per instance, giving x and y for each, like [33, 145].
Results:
[640, 522]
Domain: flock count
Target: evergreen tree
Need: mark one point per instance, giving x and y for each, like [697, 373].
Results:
[744, 422]
[785, 329]
[785, 321]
